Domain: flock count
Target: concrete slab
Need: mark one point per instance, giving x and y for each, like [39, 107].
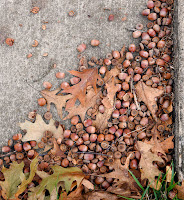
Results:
[60, 39]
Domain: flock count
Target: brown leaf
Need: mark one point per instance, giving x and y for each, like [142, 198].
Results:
[81, 110]
[108, 101]
[167, 144]
[148, 170]
[110, 74]
[161, 147]
[168, 174]
[155, 132]
[123, 189]
[180, 190]
[58, 100]
[74, 195]
[168, 124]
[148, 94]
[88, 184]
[56, 151]
[88, 77]
[100, 195]
[121, 173]
[112, 88]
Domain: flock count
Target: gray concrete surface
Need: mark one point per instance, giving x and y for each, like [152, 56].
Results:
[59, 40]
[179, 87]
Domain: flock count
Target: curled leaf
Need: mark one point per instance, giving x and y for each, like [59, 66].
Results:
[25, 182]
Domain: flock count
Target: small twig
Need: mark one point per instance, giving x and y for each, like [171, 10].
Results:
[90, 152]
[131, 85]
[136, 102]
[7, 154]
[138, 131]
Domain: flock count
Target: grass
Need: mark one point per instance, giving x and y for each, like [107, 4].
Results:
[152, 194]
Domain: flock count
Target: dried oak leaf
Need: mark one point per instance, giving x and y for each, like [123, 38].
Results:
[155, 132]
[101, 120]
[90, 101]
[88, 77]
[112, 88]
[168, 174]
[13, 177]
[56, 151]
[74, 195]
[148, 95]
[88, 184]
[59, 100]
[110, 74]
[100, 195]
[35, 130]
[161, 147]
[66, 175]
[25, 182]
[180, 190]
[148, 170]
[124, 178]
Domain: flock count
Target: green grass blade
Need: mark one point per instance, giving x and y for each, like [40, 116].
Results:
[171, 187]
[144, 193]
[125, 197]
[173, 173]
[158, 179]
[176, 198]
[164, 178]
[136, 180]
[155, 193]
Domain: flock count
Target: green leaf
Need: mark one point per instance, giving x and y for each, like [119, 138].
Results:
[136, 180]
[66, 175]
[13, 177]
[25, 182]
